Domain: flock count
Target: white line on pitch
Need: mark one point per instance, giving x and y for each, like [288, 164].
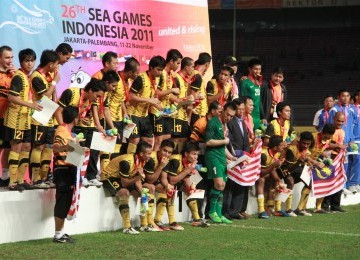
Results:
[290, 230]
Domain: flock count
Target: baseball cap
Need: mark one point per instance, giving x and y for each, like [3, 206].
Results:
[231, 60]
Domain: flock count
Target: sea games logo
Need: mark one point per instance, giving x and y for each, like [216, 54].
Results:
[31, 20]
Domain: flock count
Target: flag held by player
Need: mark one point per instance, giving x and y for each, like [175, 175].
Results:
[247, 173]
[330, 179]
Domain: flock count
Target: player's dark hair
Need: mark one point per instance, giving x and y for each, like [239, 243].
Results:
[329, 96]
[238, 101]
[328, 129]
[308, 137]
[213, 105]
[229, 69]
[69, 114]
[186, 61]
[203, 58]
[108, 56]
[142, 146]
[157, 61]
[343, 90]
[274, 141]
[190, 147]
[64, 48]
[5, 48]
[230, 105]
[26, 54]
[131, 65]
[278, 70]
[246, 99]
[281, 105]
[111, 76]
[47, 57]
[96, 85]
[173, 55]
[167, 143]
[254, 62]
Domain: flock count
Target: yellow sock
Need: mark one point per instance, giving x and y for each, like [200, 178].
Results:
[150, 212]
[124, 212]
[277, 205]
[319, 202]
[35, 164]
[161, 202]
[304, 198]
[180, 147]
[117, 148]
[131, 148]
[104, 160]
[171, 211]
[288, 202]
[13, 160]
[260, 201]
[271, 205]
[23, 165]
[192, 203]
[46, 156]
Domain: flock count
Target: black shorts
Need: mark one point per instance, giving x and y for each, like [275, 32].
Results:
[88, 133]
[23, 136]
[119, 125]
[161, 125]
[143, 127]
[64, 179]
[113, 185]
[42, 134]
[3, 142]
[181, 129]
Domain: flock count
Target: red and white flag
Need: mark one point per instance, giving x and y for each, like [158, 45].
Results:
[246, 174]
[81, 171]
[330, 179]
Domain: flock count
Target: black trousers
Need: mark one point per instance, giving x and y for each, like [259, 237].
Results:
[235, 198]
[333, 201]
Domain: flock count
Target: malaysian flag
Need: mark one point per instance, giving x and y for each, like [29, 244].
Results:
[330, 179]
[76, 191]
[246, 174]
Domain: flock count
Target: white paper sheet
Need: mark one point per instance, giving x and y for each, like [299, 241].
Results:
[239, 160]
[46, 113]
[197, 194]
[306, 175]
[77, 156]
[195, 178]
[103, 143]
[128, 129]
[282, 196]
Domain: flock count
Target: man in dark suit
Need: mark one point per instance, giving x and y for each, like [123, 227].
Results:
[235, 195]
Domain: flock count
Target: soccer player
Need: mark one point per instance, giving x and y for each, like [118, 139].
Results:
[43, 84]
[270, 161]
[163, 125]
[198, 87]
[123, 176]
[64, 173]
[321, 144]
[219, 89]
[251, 87]
[7, 70]
[215, 160]
[182, 81]
[231, 62]
[178, 172]
[142, 96]
[84, 99]
[109, 62]
[273, 93]
[322, 116]
[248, 119]
[159, 179]
[17, 120]
[281, 125]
